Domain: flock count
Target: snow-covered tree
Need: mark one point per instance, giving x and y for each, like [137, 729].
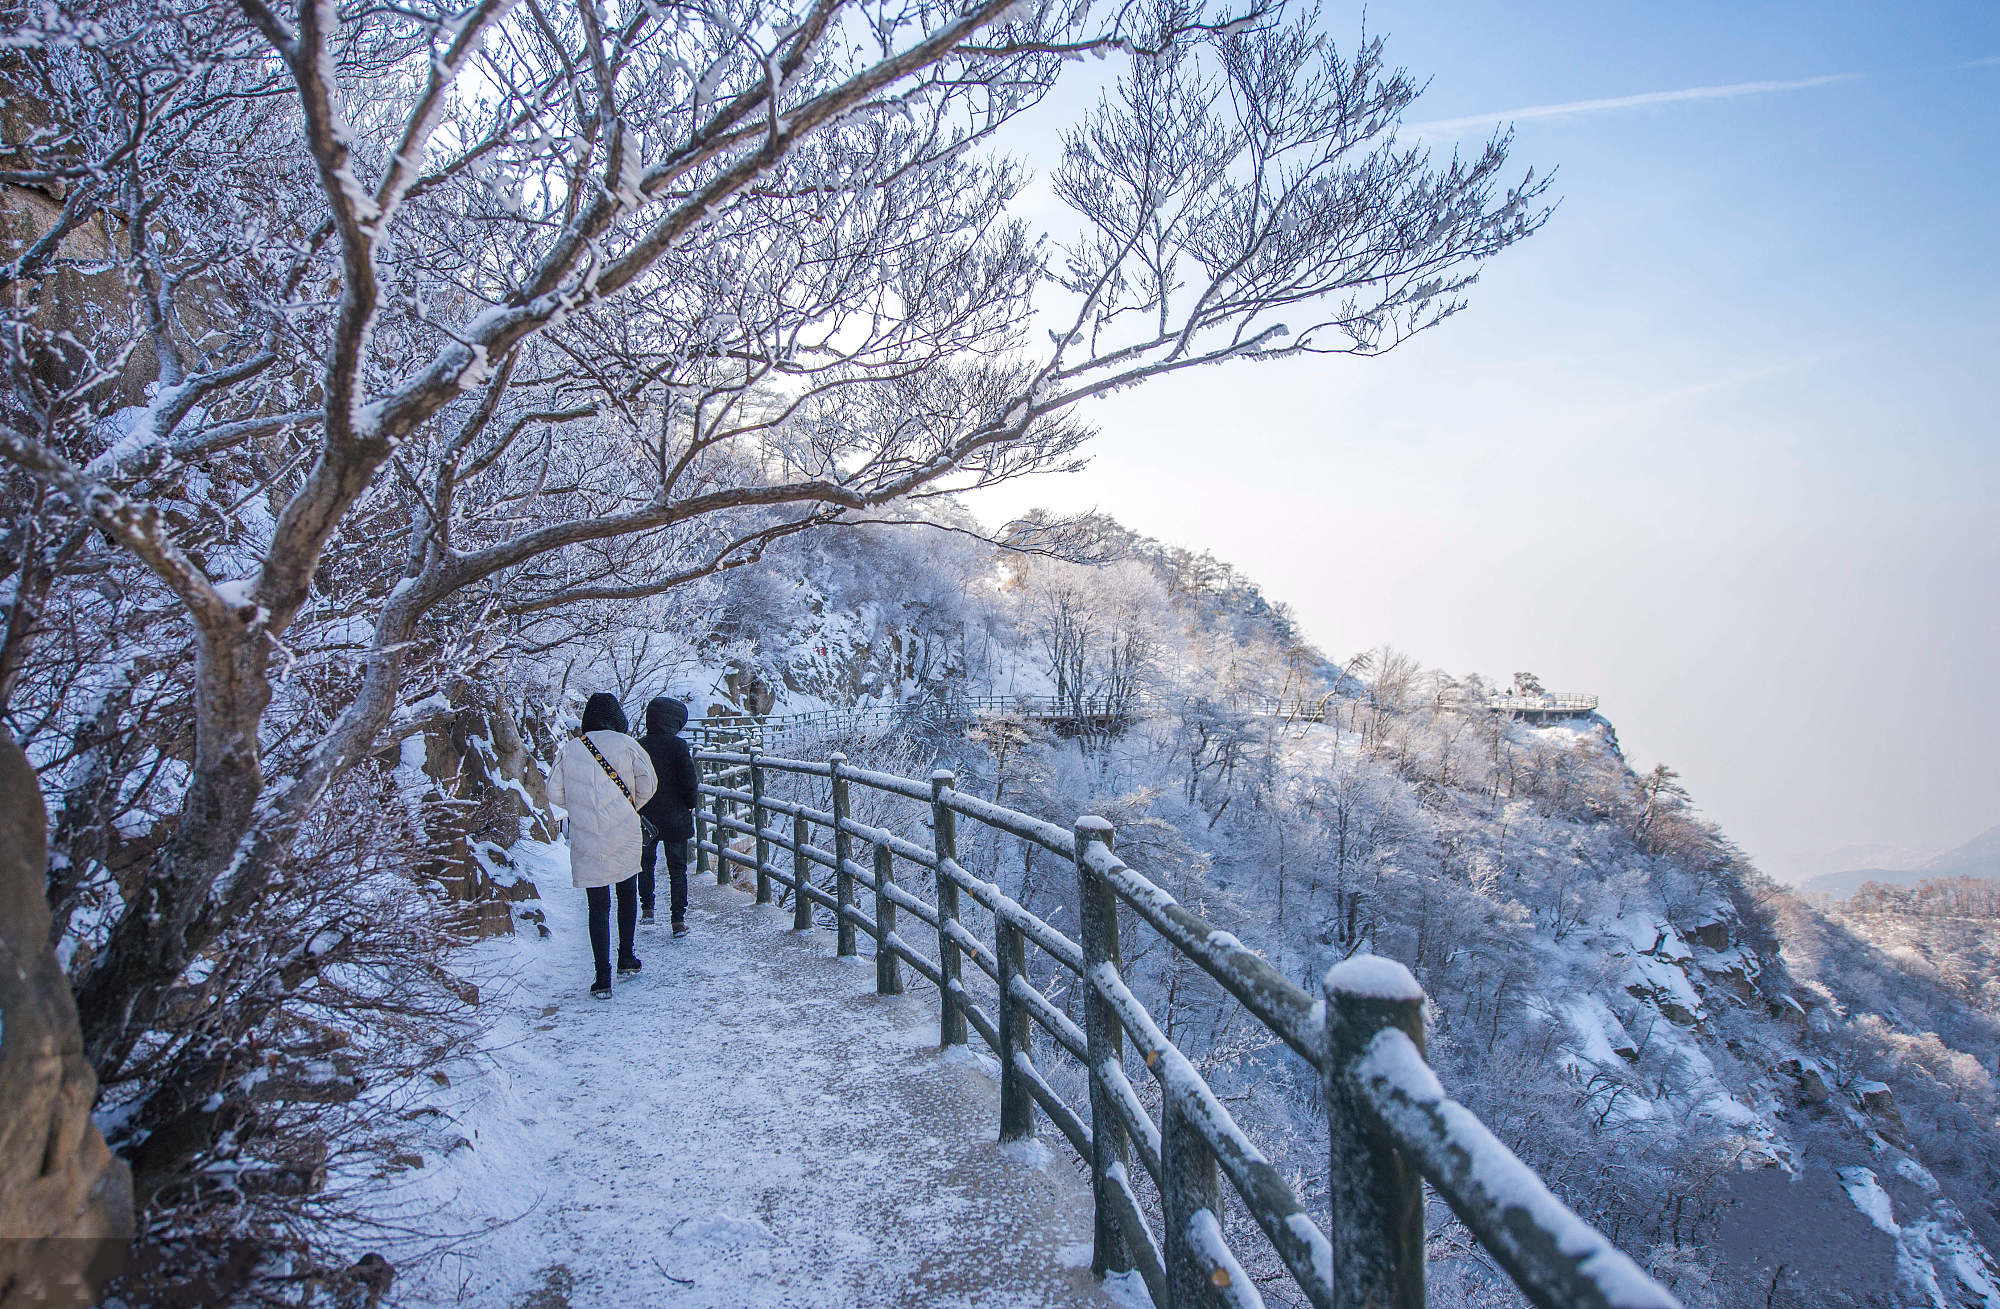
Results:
[366, 329]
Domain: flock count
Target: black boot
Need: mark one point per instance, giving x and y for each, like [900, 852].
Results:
[628, 966]
[601, 989]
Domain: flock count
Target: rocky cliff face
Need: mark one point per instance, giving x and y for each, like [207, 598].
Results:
[1883, 1082]
[474, 775]
[65, 1200]
[1836, 1197]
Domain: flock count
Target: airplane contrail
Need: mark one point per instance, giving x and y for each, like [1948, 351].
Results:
[1449, 127]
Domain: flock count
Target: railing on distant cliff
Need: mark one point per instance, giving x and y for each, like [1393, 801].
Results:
[777, 731]
[1556, 704]
[1391, 1125]
[774, 730]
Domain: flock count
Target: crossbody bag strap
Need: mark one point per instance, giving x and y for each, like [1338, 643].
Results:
[609, 771]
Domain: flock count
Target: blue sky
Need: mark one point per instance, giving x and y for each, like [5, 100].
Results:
[1721, 444]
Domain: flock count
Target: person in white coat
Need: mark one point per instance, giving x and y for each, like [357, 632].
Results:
[602, 776]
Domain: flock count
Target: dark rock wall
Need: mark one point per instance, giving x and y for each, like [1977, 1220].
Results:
[65, 1199]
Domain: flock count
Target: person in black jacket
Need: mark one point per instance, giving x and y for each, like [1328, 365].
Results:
[670, 813]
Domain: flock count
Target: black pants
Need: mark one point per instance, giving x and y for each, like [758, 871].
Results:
[600, 923]
[677, 872]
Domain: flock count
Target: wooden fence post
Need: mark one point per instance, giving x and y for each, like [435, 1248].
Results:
[1376, 1197]
[802, 906]
[701, 825]
[1188, 1184]
[762, 847]
[1017, 1105]
[888, 964]
[944, 840]
[1097, 919]
[843, 859]
[717, 809]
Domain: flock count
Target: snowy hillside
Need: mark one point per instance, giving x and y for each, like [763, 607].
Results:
[1745, 1096]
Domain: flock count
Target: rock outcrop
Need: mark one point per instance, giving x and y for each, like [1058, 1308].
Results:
[65, 1199]
[481, 789]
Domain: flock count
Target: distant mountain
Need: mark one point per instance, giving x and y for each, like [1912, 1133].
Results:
[1979, 857]
[1877, 854]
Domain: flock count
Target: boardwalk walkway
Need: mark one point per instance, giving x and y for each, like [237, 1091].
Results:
[746, 1125]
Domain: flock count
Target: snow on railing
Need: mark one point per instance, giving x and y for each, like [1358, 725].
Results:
[772, 731]
[1557, 702]
[1390, 1124]
[815, 726]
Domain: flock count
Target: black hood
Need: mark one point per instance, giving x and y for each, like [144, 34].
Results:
[602, 713]
[665, 717]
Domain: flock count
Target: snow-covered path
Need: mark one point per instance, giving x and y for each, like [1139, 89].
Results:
[747, 1124]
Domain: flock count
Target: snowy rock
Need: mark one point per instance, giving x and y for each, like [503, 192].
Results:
[486, 918]
[1880, 1103]
[748, 689]
[1712, 934]
[1602, 1038]
[1810, 1077]
[1869, 1197]
[1787, 1009]
[1732, 969]
[1667, 988]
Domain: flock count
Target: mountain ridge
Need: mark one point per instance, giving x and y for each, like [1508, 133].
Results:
[1979, 857]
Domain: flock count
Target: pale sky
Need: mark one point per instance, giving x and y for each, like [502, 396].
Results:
[1721, 445]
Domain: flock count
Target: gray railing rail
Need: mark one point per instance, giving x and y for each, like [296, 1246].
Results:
[1391, 1125]
[775, 731]
[1564, 702]
[769, 731]
[780, 731]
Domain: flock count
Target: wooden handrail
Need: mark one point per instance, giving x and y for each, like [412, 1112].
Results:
[1389, 1121]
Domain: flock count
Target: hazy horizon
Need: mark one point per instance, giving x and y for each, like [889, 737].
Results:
[1718, 445]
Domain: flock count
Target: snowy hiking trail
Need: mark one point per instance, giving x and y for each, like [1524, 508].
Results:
[745, 1124]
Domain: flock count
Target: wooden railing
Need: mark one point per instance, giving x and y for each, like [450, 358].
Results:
[1391, 1126]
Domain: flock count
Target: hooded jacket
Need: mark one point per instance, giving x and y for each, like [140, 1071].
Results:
[672, 807]
[603, 824]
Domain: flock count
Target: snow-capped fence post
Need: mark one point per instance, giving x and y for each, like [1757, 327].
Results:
[888, 964]
[1097, 921]
[843, 851]
[762, 847]
[718, 807]
[1190, 1199]
[703, 830]
[1017, 1107]
[944, 843]
[802, 909]
[1376, 1195]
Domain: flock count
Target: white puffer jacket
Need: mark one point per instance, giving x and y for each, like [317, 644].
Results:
[603, 825]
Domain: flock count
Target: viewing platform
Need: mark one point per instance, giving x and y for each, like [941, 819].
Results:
[1549, 707]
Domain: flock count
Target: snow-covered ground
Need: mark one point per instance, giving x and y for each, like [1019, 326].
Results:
[746, 1124]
